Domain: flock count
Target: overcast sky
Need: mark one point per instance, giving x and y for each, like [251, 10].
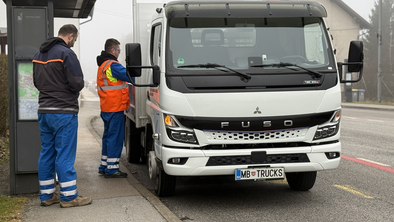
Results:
[362, 7]
[111, 19]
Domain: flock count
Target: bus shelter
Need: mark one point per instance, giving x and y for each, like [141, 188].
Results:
[29, 24]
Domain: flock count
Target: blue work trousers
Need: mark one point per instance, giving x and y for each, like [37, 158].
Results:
[112, 142]
[58, 151]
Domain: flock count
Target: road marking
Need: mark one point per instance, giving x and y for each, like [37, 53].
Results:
[378, 166]
[372, 120]
[350, 117]
[382, 164]
[355, 192]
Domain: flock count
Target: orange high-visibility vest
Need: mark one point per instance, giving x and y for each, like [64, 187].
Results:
[114, 93]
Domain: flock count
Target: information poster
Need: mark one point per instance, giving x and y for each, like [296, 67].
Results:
[27, 93]
[30, 30]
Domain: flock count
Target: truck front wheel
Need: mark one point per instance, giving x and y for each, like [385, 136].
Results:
[164, 184]
[301, 181]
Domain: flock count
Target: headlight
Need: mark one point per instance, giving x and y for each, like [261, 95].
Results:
[329, 128]
[177, 132]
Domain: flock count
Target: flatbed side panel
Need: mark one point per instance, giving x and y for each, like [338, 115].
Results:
[143, 10]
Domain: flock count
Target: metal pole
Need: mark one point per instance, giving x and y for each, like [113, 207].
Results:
[11, 97]
[379, 53]
[50, 19]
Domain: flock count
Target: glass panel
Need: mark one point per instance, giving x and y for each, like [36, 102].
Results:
[30, 30]
[156, 44]
[240, 43]
[27, 92]
[314, 43]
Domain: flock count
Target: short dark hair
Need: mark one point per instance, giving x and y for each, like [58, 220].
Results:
[111, 43]
[67, 29]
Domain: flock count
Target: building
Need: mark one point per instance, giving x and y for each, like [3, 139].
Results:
[344, 24]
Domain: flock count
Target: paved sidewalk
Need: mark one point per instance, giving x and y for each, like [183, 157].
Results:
[117, 199]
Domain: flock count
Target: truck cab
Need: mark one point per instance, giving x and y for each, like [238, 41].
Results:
[244, 88]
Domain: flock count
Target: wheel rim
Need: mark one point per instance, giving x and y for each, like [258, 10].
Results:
[152, 165]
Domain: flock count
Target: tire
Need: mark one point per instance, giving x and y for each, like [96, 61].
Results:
[164, 184]
[301, 181]
[148, 144]
[132, 142]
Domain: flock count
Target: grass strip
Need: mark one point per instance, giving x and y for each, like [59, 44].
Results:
[11, 207]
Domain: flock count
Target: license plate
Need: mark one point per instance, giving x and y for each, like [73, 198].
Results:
[260, 173]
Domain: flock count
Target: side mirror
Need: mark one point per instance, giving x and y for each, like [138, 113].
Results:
[355, 61]
[356, 55]
[133, 58]
[133, 66]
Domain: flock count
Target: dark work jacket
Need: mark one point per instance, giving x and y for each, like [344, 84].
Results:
[58, 76]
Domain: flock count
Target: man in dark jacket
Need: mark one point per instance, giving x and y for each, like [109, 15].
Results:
[58, 76]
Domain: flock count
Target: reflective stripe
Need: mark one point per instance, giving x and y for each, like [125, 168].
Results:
[112, 160]
[105, 79]
[103, 163]
[46, 182]
[52, 60]
[116, 166]
[109, 75]
[124, 85]
[55, 108]
[48, 191]
[68, 184]
[103, 157]
[68, 193]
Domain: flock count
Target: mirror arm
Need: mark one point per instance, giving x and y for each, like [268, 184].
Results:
[340, 70]
[360, 76]
[139, 85]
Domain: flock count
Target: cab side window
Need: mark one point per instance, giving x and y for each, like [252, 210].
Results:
[155, 44]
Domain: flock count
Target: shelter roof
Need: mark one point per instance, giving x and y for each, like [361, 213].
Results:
[62, 8]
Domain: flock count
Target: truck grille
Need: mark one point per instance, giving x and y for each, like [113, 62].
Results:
[263, 135]
[246, 159]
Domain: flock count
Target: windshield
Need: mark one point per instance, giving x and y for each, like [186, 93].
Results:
[248, 44]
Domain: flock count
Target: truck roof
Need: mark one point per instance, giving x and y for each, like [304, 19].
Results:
[258, 9]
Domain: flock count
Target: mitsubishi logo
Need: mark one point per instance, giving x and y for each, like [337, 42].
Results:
[257, 111]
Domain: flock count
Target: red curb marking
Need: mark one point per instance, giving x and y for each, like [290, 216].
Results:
[388, 169]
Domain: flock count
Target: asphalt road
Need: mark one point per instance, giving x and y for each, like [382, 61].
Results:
[361, 189]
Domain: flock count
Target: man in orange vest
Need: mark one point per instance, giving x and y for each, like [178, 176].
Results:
[113, 91]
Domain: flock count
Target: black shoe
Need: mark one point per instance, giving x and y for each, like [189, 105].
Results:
[118, 174]
[101, 172]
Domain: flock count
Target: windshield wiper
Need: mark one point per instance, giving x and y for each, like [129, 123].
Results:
[314, 74]
[244, 76]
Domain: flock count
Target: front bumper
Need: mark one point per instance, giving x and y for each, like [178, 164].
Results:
[293, 159]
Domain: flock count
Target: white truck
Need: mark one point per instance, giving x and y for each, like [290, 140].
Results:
[244, 88]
